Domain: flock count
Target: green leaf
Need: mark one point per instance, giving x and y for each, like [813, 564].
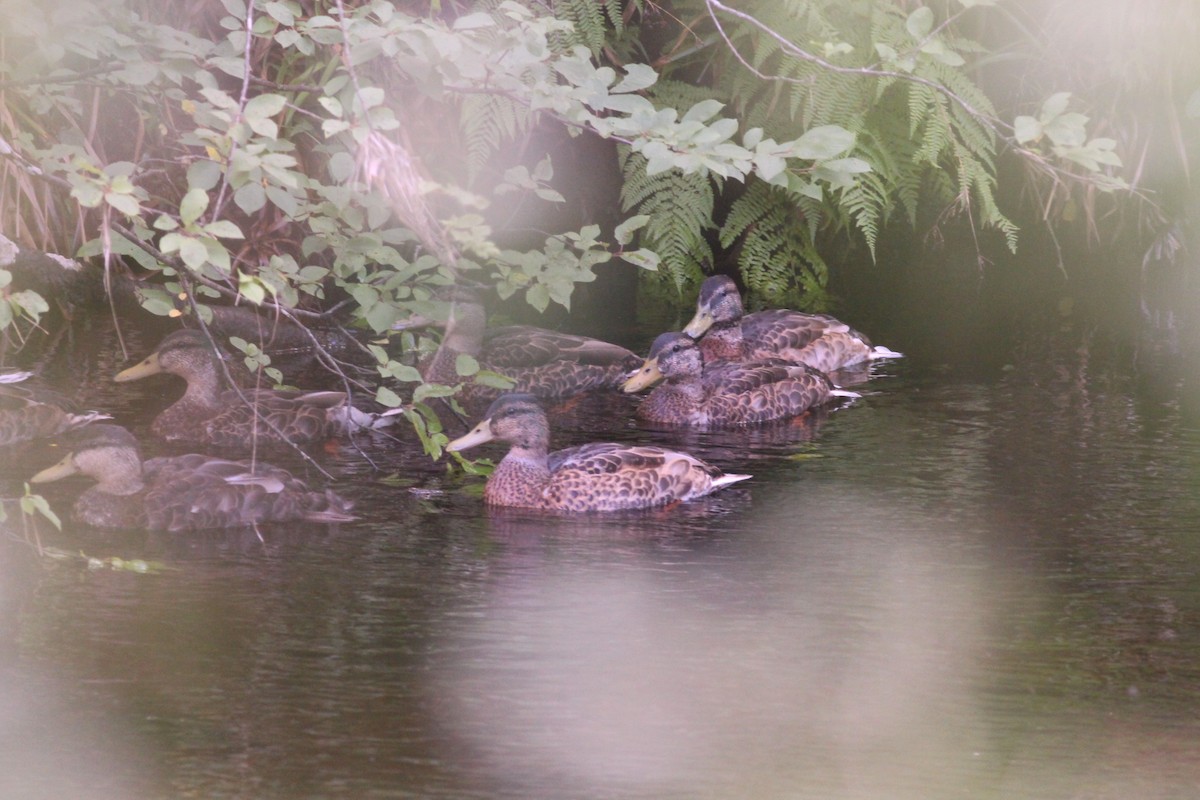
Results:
[36, 504]
[637, 77]
[703, 111]
[264, 106]
[224, 229]
[252, 288]
[538, 296]
[125, 203]
[203, 174]
[920, 23]
[193, 252]
[822, 142]
[250, 197]
[1055, 104]
[623, 233]
[466, 365]
[193, 204]
[386, 397]
[485, 377]
[1027, 129]
[474, 21]
[646, 259]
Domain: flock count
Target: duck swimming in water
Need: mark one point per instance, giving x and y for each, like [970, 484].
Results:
[589, 477]
[208, 413]
[726, 332]
[183, 493]
[724, 393]
[550, 365]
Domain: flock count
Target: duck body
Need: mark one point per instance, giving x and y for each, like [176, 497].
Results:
[183, 493]
[591, 477]
[551, 366]
[726, 332]
[725, 393]
[24, 417]
[208, 413]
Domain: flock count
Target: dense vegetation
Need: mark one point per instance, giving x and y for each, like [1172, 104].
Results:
[348, 158]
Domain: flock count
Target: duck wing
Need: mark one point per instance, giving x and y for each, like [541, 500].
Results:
[606, 476]
[195, 491]
[762, 391]
[527, 346]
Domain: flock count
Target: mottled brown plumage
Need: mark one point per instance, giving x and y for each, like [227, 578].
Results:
[547, 364]
[25, 416]
[590, 477]
[211, 414]
[724, 393]
[182, 493]
[725, 332]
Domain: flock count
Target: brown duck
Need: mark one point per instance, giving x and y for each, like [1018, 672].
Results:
[211, 414]
[589, 477]
[724, 393]
[25, 416]
[182, 493]
[550, 365]
[818, 340]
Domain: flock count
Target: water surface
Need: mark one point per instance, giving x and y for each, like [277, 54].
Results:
[961, 584]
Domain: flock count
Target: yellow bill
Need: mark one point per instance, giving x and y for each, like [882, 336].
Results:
[148, 367]
[61, 470]
[480, 434]
[699, 324]
[646, 376]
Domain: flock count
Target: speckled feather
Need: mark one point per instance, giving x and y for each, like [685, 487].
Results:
[23, 417]
[210, 414]
[590, 477]
[728, 393]
[818, 340]
[548, 364]
[188, 492]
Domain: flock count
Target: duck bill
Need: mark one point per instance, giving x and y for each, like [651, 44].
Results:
[646, 376]
[699, 324]
[143, 370]
[480, 434]
[61, 470]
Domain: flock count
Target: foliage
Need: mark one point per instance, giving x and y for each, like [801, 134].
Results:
[307, 157]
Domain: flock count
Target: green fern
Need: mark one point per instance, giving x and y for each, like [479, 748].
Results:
[680, 208]
[775, 251]
[488, 121]
[591, 19]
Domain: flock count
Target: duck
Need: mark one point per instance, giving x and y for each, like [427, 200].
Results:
[24, 416]
[726, 332]
[600, 476]
[724, 393]
[550, 365]
[183, 493]
[207, 413]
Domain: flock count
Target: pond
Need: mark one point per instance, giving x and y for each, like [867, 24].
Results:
[968, 582]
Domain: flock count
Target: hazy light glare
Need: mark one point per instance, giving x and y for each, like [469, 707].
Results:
[843, 660]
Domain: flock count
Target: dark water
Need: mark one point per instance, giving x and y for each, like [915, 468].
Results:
[968, 583]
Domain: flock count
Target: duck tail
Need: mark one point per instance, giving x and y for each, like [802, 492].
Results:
[844, 393]
[728, 478]
[331, 507]
[14, 377]
[879, 351]
[354, 419]
[79, 420]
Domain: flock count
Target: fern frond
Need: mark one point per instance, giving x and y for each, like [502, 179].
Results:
[776, 254]
[488, 121]
[680, 208]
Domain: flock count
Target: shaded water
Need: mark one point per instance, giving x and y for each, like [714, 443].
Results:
[958, 585]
